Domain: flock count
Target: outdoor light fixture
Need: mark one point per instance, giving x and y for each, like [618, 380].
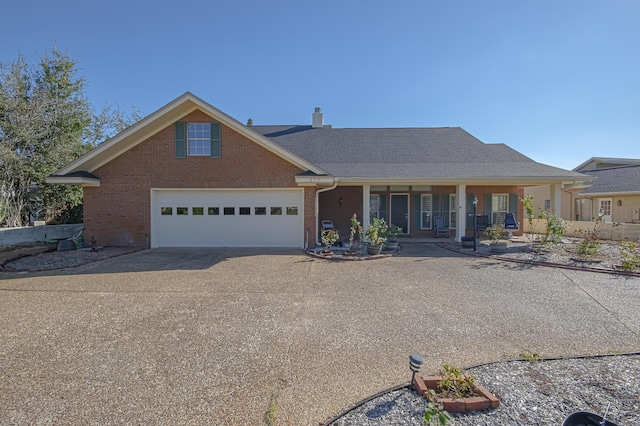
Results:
[475, 222]
[415, 362]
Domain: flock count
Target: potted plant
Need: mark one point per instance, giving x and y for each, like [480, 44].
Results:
[391, 234]
[329, 237]
[375, 235]
[355, 237]
[494, 233]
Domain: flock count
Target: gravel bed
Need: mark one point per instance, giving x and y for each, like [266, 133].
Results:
[64, 259]
[608, 257]
[540, 393]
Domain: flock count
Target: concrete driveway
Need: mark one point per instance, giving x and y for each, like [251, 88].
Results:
[211, 336]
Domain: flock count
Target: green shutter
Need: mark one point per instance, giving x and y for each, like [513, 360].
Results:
[383, 207]
[470, 198]
[435, 205]
[513, 205]
[417, 201]
[487, 207]
[181, 143]
[445, 209]
[216, 147]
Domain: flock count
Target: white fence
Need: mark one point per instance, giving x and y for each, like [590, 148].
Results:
[610, 231]
[28, 234]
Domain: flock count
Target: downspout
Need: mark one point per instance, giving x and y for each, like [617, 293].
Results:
[331, 188]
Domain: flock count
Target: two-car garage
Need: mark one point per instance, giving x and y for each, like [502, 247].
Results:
[227, 217]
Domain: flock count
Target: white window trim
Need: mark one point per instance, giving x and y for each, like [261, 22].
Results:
[207, 141]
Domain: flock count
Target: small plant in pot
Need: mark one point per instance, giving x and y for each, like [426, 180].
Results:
[392, 237]
[375, 235]
[494, 233]
[329, 238]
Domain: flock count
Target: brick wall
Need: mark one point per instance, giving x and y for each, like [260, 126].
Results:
[118, 211]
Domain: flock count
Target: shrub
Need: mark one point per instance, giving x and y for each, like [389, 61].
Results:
[630, 256]
[329, 238]
[376, 231]
[454, 383]
[588, 246]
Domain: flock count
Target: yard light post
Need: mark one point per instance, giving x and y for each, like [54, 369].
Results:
[415, 362]
[475, 222]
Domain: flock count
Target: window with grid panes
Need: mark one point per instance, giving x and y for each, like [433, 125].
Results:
[499, 208]
[199, 139]
[374, 206]
[425, 211]
[453, 211]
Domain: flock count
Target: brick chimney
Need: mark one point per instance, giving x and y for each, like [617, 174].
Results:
[317, 120]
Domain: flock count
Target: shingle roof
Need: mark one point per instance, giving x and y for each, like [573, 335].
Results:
[425, 153]
[614, 180]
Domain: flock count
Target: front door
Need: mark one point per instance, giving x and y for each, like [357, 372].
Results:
[400, 211]
[604, 208]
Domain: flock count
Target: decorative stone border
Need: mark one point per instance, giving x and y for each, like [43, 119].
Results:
[482, 401]
[342, 257]
[342, 254]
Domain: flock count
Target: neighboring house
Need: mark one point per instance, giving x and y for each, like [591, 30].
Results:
[190, 175]
[613, 192]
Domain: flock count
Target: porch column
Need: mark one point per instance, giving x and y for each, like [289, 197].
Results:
[461, 222]
[366, 192]
[556, 199]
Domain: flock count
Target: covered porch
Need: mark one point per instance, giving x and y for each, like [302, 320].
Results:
[414, 208]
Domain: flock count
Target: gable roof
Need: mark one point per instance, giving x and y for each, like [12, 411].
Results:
[157, 121]
[614, 180]
[395, 155]
[597, 163]
[448, 154]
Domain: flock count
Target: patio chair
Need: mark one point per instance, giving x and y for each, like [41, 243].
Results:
[327, 225]
[482, 223]
[510, 224]
[440, 228]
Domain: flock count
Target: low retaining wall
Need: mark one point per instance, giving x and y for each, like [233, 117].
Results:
[29, 234]
[621, 232]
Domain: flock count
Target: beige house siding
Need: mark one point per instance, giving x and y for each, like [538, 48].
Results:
[622, 207]
[543, 192]
[621, 210]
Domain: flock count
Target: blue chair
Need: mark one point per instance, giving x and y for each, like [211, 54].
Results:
[440, 229]
[510, 224]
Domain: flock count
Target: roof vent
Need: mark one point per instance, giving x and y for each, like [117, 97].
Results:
[317, 120]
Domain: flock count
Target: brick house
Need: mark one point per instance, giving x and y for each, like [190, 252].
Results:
[188, 175]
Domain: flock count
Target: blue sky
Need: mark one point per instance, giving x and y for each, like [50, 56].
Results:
[558, 81]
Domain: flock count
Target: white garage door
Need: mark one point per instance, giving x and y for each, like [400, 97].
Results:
[227, 218]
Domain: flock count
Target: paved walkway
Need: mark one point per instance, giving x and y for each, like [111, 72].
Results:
[227, 336]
